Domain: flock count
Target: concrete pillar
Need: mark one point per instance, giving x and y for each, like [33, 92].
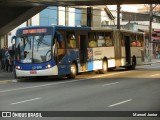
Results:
[150, 33]
[66, 15]
[61, 14]
[118, 16]
[3, 40]
[89, 16]
[29, 22]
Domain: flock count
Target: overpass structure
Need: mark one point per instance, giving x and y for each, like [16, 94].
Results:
[73, 2]
[15, 12]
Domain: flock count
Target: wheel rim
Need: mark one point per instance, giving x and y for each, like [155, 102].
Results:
[73, 70]
[105, 66]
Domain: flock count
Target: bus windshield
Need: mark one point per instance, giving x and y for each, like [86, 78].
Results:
[33, 48]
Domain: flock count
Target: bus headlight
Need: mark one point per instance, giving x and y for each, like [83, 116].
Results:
[18, 67]
[48, 66]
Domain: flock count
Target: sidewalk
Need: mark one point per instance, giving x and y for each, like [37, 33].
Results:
[6, 76]
[153, 61]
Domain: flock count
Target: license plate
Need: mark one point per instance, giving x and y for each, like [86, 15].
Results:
[33, 72]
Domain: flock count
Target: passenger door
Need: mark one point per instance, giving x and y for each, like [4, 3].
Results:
[83, 53]
[127, 49]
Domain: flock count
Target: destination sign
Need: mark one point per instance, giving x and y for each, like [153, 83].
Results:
[33, 31]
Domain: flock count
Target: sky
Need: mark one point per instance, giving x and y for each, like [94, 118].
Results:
[131, 8]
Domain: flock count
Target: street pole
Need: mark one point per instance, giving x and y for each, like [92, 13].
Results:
[150, 33]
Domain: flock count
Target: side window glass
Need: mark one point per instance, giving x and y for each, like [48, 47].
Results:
[122, 40]
[92, 37]
[101, 40]
[133, 39]
[140, 41]
[108, 39]
[137, 41]
[61, 47]
[71, 40]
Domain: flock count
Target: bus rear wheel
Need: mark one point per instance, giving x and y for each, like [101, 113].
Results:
[73, 71]
[134, 62]
[104, 67]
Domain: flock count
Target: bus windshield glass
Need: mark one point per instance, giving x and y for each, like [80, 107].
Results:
[33, 48]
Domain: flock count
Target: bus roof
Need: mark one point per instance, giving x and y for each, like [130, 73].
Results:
[57, 27]
[84, 28]
[68, 27]
[130, 31]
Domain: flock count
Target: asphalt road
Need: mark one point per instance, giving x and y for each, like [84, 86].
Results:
[120, 90]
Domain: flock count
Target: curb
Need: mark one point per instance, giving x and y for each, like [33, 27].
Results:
[5, 81]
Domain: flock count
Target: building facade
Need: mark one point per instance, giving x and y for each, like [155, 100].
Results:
[69, 16]
[66, 16]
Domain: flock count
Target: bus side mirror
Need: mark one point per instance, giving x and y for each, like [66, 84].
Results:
[13, 39]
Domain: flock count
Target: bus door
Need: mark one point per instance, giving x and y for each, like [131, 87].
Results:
[83, 54]
[127, 49]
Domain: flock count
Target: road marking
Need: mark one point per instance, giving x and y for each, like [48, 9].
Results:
[153, 67]
[110, 84]
[25, 101]
[10, 90]
[34, 86]
[14, 80]
[154, 75]
[120, 103]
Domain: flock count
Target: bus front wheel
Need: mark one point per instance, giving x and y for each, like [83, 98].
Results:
[73, 71]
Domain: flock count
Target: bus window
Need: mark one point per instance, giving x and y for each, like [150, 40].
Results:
[92, 39]
[71, 40]
[61, 44]
[108, 40]
[41, 48]
[61, 47]
[23, 50]
[133, 41]
[141, 41]
[137, 41]
[101, 40]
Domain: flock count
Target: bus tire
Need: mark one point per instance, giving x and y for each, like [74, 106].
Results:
[104, 67]
[134, 62]
[73, 71]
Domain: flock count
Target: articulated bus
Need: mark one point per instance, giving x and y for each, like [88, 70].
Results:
[67, 51]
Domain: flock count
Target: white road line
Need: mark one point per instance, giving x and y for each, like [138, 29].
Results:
[35, 86]
[120, 103]
[153, 67]
[25, 101]
[110, 84]
[154, 75]
[61, 82]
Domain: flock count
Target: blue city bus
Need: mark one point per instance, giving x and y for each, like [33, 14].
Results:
[67, 51]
